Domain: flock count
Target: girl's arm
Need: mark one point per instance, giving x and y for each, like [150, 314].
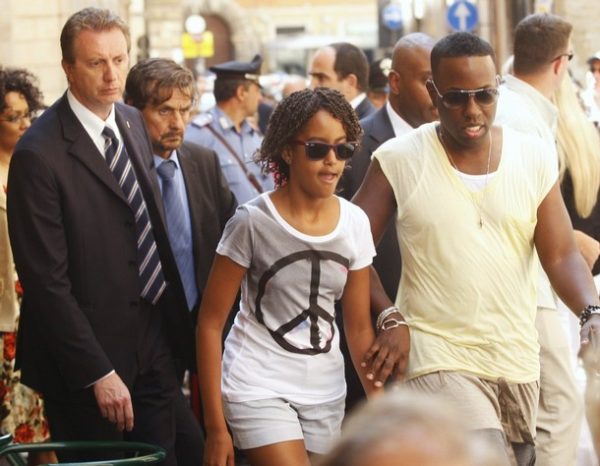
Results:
[218, 298]
[357, 323]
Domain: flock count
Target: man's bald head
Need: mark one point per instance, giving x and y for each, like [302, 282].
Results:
[410, 43]
[411, 68]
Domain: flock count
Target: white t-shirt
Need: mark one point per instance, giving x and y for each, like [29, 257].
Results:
[468, 292]
[284, 342]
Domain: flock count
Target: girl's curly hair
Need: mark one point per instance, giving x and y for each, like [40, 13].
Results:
[21, 81]
[289, 118]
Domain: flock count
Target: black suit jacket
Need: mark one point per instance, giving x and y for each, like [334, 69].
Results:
[211, 204]
[377, 129]
[364, 109]
[74, 242]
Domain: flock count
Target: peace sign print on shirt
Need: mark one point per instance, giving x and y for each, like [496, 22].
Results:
[312, 329]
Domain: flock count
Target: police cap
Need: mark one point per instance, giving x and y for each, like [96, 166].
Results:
[239, 70]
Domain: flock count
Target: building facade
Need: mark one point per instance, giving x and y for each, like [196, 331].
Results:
[285, 32]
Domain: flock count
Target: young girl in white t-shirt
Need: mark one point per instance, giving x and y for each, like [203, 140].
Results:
[279, 385]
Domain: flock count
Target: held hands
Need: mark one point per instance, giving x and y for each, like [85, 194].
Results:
[218, 449]
[114, 401]
[388, 355]
[590, 354]
[590, 345]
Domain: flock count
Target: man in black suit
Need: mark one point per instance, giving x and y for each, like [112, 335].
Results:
[408, 107]
[164, 92]
[103, 309]
[345, 68]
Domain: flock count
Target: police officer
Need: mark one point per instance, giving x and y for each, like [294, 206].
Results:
[226, 130]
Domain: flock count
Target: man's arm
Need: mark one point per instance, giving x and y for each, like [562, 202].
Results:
[389, 353]
[563, 263]
[40, 249]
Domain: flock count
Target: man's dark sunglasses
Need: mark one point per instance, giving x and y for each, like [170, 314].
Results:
[460, 97]
[318, 150]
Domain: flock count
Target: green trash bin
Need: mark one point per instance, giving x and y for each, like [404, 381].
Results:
[142, 453]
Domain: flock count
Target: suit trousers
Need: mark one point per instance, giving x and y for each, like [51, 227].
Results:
[153, 393]
[189, 437]
[560, 408]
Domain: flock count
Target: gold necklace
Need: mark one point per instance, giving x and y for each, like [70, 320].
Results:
[478, 204]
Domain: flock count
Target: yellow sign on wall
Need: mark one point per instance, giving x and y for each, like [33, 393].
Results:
[198, 45]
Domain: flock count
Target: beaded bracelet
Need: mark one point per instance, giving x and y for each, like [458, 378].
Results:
[587, 313]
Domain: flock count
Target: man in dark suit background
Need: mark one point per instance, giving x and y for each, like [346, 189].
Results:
[408, 107]
[344, 67]
[103, 308]
[196, 196]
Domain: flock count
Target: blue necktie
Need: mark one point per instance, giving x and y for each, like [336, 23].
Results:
[180, 235]
[149, 267]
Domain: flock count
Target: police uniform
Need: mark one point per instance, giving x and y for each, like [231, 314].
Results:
[244, 143]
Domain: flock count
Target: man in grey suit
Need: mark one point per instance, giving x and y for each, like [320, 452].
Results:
[408, 107]
[196, 197]
[103, 309]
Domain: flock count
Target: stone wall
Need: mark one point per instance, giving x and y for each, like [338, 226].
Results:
[584, 15]
[29, 30]
[30, 33]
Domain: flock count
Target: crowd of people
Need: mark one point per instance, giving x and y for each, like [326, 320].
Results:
[367, 274]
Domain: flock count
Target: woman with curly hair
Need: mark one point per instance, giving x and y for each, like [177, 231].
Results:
[21, 409]
[280, 382]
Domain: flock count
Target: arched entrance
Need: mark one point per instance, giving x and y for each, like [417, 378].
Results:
[235, 38]
[223, 47]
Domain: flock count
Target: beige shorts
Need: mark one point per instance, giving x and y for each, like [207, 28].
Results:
[484, 404]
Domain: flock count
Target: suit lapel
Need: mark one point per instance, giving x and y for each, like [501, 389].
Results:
[83, 148]
[382, 127]
[194, 189]
[141, 158]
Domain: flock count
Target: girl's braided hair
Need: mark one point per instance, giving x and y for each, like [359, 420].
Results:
[289, 118]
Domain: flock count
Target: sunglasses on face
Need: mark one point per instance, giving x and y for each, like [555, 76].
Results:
[318, 150]
[569, 56]
[460, 97]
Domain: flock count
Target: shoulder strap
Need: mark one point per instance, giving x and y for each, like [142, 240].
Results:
[249, 175]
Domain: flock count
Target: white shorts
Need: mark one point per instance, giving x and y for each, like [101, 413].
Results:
[264, 422]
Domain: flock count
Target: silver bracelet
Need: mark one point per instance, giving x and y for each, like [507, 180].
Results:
[384, 315]
[392, 323]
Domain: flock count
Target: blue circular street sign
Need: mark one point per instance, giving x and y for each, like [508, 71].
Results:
[392, 17]
[463, 16]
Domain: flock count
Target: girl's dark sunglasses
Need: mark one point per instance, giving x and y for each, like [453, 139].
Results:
[460, 97]
[318, 150]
